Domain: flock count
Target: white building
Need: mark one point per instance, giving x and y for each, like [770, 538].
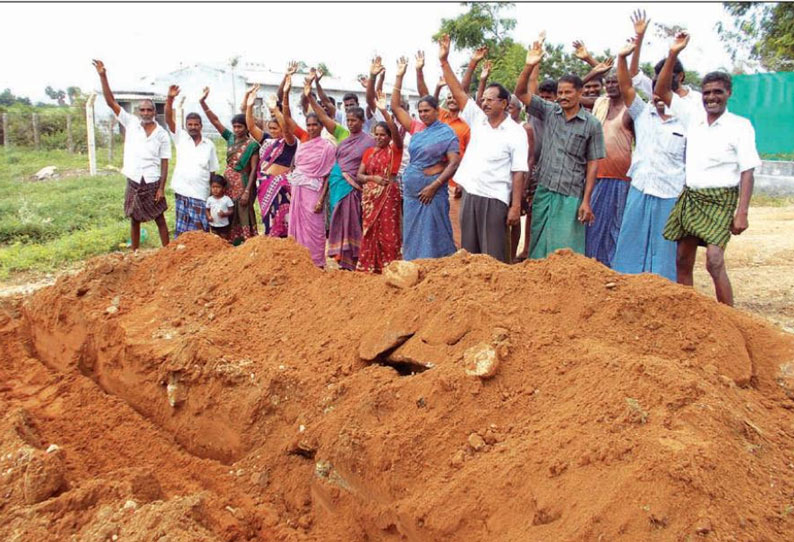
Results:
[227, 87]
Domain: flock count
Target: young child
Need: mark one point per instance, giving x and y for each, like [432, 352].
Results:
[219, 207]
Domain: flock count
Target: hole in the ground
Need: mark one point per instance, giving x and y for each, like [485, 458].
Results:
[403, 367]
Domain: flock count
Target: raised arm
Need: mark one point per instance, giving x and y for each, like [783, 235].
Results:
[212, 117]
[437, 93]
[484, 74]
[664, 83]
[458, 92]
[534, 75]
[250, 121]
[173, 92]
[285, 107]
[534, 56]
[381, 104]
[292, 67]
[599, 69]
[286, 129]
[375, 68]
[328, 122]
[640, 22]
[106, 92]
[421, 86]
[581, 52]
[476, 57]
[324, 99]
[624, 77]
[402, 115]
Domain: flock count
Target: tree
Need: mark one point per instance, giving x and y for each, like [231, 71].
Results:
[75, 94]
[486, 24]
[57, 95]
[324, 67]
[759, 34]
[8, 99]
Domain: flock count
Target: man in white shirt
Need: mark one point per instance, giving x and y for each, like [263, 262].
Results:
[493, 168]
[197, 162]
[720, 159]
[146, 154]
[657, 178]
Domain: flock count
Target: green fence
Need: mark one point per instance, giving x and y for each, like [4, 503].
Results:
[767, 99]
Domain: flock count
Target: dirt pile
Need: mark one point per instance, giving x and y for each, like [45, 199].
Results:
[210, 393]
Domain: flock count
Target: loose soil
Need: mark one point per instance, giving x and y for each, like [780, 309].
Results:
[203, 392]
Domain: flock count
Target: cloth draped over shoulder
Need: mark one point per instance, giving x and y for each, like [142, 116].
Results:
[349, 153]
[251, 147]
[313, 161]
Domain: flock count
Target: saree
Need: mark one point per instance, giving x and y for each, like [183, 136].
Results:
[273, 192]
[238, 165]
[313, 161]
[344, 236]
[381, 208]
[427, 230]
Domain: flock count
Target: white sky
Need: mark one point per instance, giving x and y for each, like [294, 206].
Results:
[52, 44]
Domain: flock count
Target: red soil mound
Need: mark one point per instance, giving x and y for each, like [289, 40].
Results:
[243, 394]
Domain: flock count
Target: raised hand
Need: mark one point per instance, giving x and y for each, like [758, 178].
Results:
[580, 51]
[204, 94]
[292, 68]
[272, 102]
[402, 65]
[319, 74]
[376, 67]
[535, 53]
[479, 53]
[441, 82]
[486, 69]
[173, 91]
[251, 100]
[443, 47]
[313, 73]
[680, 42]
[420, 60]
[603, 67]
[363, 80]
[381, 101]
[628, 48]
[100, 66]
[640, 22]
[307, 86]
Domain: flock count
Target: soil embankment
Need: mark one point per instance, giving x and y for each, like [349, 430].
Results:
[209, 393]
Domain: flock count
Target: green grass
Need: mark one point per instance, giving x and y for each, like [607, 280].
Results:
[49, 225]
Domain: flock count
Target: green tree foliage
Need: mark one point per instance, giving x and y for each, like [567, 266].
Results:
[487, 24]
[764, 32]
[324, 67]
[56, 95]
[7, 99]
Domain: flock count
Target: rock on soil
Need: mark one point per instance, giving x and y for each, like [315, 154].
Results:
[330, 406]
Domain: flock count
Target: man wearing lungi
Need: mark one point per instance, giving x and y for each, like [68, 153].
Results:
[657, 178]
[720, 159]
[573, 142]
[147, 150]
[196, 164]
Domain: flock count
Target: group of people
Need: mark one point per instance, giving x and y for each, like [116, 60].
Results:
[637, 179]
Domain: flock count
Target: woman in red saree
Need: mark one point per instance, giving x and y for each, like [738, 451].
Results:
[381, 200]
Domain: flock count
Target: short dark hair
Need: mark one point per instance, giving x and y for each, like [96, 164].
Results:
[357, 111]
[385, 126]
[713, 77]
[573, 79]
[548, 85]
[350, 96]
[503, 93]
[677, 67]
[239, 119]
[193, 116]
[218, 179]
[595, 79]
[312, 115]
[429, 100]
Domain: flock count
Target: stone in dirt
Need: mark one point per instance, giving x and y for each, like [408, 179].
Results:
[476, 442]
[44, 476]
[45, 173]
[481, 361]
[401, 274]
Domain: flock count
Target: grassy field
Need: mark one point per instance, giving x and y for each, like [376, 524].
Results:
[48, 225]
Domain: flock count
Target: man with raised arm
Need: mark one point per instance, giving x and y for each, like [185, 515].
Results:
[197, 163]
[720, 159]
[492, 172]
[146, 154]
[573, 142]
[657, 178]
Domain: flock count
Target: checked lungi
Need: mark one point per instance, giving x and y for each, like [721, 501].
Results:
[139, 203]
[191, 214]
[705, 213]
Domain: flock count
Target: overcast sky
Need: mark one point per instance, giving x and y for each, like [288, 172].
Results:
[53, 44]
